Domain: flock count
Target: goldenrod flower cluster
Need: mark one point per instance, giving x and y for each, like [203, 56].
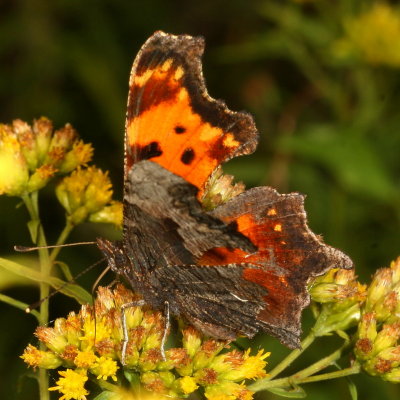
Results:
[373, 36]
[375, 310]
[87, 345]
[31, 155]
[378, 337]
[87, 195]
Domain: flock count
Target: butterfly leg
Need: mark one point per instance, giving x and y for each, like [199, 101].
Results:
[166, 329]
[125, 338]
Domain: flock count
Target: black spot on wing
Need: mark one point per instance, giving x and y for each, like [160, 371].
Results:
[188, 156]
[151, 150]
[180, 129]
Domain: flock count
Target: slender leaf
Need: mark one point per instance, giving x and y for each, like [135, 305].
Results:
[69, 289]
[18, 304]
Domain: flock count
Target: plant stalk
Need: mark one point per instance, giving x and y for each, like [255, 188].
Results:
[291, 357]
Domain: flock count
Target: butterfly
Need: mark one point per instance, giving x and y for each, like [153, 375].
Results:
[236, 270]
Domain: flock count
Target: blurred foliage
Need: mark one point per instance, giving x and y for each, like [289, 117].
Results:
[321, 78]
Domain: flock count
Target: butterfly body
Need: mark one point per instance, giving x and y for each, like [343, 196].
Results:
[236, 270]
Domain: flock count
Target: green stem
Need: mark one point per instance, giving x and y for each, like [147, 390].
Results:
[291, 380]
[321, 364]
[291, 356]
[31, 202]
[44, 258]
[61, 240]
[355, 369]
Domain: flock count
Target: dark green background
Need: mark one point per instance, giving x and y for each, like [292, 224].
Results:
[329, 127]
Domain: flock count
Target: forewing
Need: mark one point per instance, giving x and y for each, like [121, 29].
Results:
[171, 119]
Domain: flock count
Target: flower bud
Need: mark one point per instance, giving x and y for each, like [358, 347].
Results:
[27, 142]
[153, 382]
[39, 358]
[386, 337]
[219, 189]
[208, 350]
[42, 129]
[80, 154]
[53, 340]
[111, 214]
[392, 376]
[40, 177]
[191, 340]
[379, 287]
[60, 144]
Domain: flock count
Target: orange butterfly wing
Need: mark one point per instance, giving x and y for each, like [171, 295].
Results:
[171, 119]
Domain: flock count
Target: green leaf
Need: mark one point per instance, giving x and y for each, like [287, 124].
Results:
[295, 392]
[33, 227]
[69, 289]
[18, 304]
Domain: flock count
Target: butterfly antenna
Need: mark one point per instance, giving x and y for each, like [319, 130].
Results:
[39, 302]
[101, 276]
[24, 249]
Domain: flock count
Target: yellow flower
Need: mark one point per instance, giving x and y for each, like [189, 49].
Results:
[187, 384]
[374, 35]
[71, 385]
[91, 342]
[84, 192]
[239, 366]
[85, 359]
[105, 368]
[254, 366]
[94, 331]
